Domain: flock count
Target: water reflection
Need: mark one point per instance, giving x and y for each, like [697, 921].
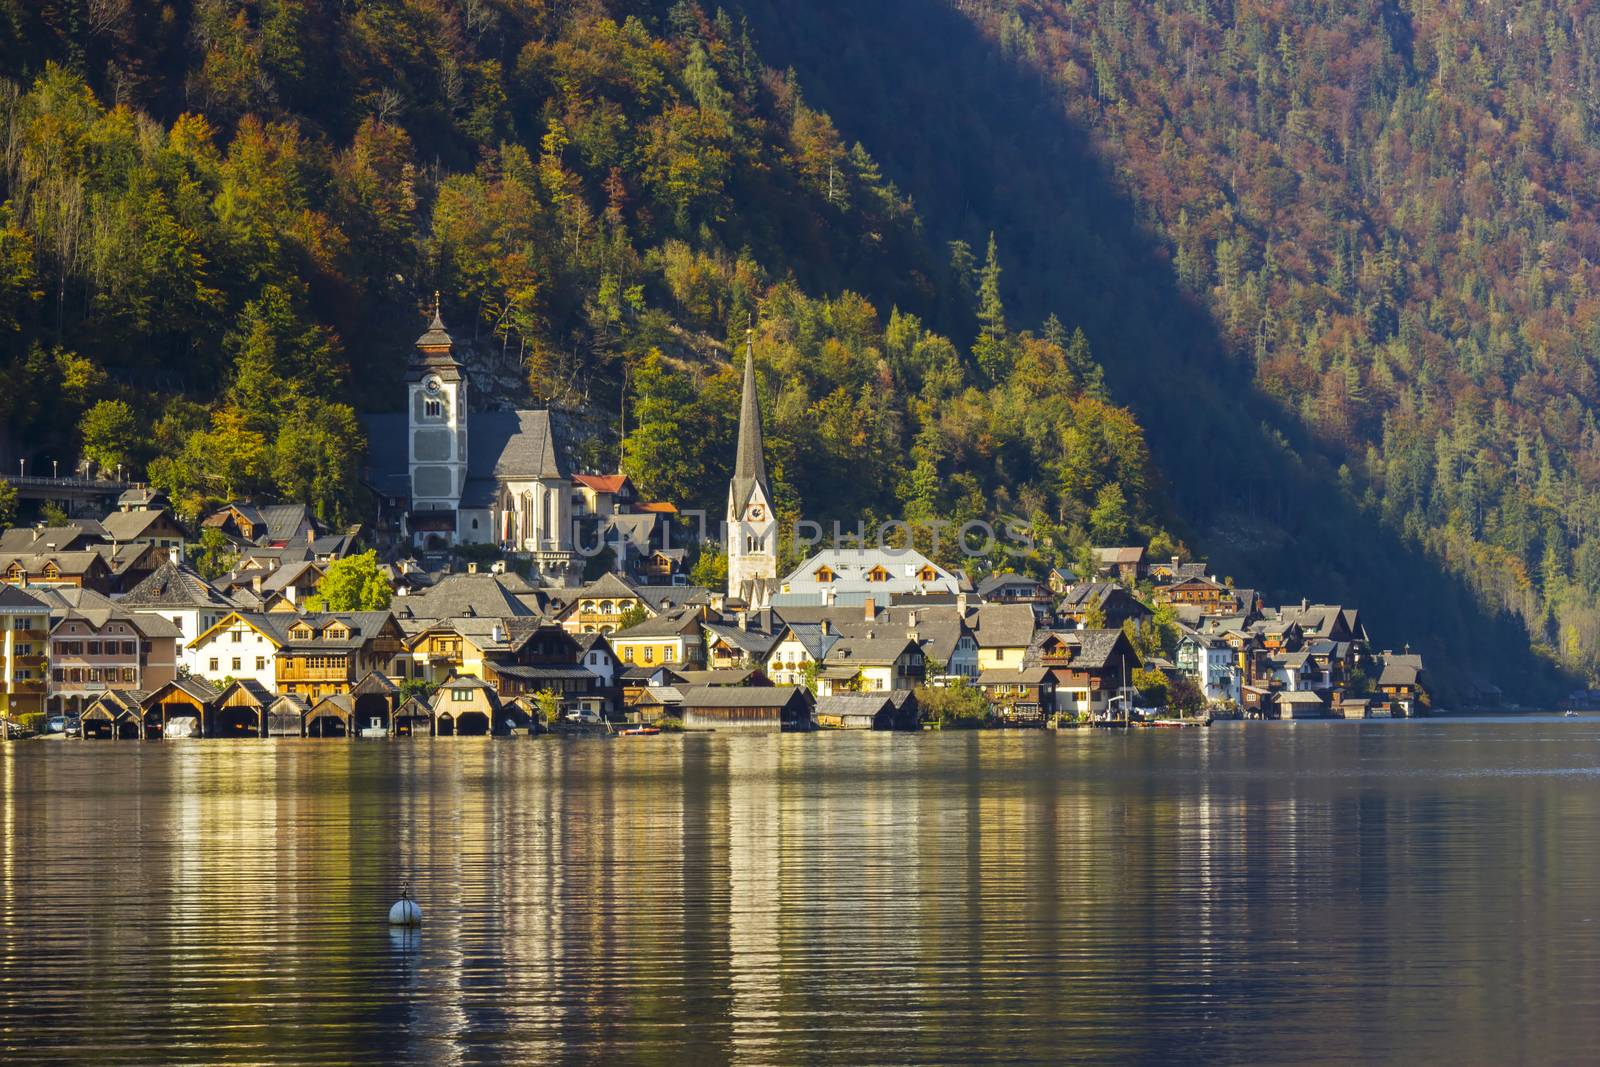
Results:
[1378, 891]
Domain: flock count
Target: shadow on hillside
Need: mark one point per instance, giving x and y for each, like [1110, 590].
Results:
[981, 144]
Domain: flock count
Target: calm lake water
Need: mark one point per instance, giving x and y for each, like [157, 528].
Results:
[1408, 891]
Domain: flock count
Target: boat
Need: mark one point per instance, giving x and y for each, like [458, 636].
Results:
[640, 731]
[1572, 714]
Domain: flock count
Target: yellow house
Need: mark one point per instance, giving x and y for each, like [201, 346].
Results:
[1003, 632]
[674, 640]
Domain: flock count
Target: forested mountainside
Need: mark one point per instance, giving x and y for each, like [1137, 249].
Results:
[1348, 249]
[223, 221]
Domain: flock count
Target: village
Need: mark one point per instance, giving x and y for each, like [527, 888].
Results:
[494, 622]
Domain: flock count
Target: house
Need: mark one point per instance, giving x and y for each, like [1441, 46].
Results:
[674, 639]
[241, 710]
[948, 643]
[1104, 604]
[1003, 633]
[179, 708]
[1209, 595]
[1211, 662]
[131, 564]
[1403, 683]
[24, 652]
[1127, 563]
[598, 608]
[867, 711]
[596, 657]
[744, 708]
[78, 536]
[854, 575]
[602, 494]
[800, 647]
[872, 663]
[177, 593]
[96, 649]
[1020, 696]
[267, 526]
[147, 526]
[1008, 588]
[142, 498]
[744, 642]
[325, 654]
[84, 569]
[1091, 668]
[242, 646]
[471, 595]
[445, 474]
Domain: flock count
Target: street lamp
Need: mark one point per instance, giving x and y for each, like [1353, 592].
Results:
[55, 469]
[22, 468]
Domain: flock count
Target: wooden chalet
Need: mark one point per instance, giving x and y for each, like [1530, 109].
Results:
[729, 707]
[1025, 697]
[867, 711]
[322, 655]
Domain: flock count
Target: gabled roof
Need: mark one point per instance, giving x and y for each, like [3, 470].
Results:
[809, 636]
[132, 525]
[16, 601]
[874, 651]
[1025, 676]
[1004, 579]
[463, 596]
[739, 696]
[1119, 556]
[856, 704]
[363, 626]
[609, 585]
[266, 625]
[174, 586]
[602, 483]
[1004, 625]
[25, 540]
[672, 624]
[749, 642]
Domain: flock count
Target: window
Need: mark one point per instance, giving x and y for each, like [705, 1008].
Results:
[94, 648]
[19, 623]
[24, 649]
[236, 663]
[627, 653]
[649, 654]
[824, 575]
[238, 636]
[474, 524]
[432, 409]
[667, 654]
[261, 663]
[213, 664]
[460, 696]
[127, 674]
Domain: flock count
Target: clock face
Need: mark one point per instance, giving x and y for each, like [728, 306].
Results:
[433, 385]
[757, 513]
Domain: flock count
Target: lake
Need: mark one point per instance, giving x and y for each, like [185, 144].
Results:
[1383, 891]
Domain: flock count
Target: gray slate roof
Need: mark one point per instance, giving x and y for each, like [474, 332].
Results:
[173, 586]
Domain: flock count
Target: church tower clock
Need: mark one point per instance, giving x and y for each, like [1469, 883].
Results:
[436, 412]
[751, 530]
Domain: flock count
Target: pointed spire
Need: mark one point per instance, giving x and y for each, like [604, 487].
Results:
[435, 349]
[749, 468]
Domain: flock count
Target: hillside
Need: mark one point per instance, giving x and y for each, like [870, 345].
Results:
[223, 222]
[1348, 248]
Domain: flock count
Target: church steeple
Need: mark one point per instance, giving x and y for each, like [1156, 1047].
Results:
[751, 529]
[435, 352]
[749, 466]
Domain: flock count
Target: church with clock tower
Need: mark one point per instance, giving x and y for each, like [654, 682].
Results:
[751, 530]
[447, 475]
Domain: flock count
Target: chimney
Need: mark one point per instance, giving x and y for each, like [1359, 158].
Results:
[869, 609]
[1175, 566]
[827, 596]
[827, 627]
[472, 568]
[743, 618]
[175, 554]
[961, 604]
[1305, 605]
[255, 582]
[498, 634]
[911, 619]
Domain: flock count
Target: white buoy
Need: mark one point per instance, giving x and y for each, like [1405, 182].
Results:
[405, 911]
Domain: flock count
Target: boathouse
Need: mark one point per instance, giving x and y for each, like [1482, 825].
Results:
[113, 716]
[179, 709]
[742, 707]
[241, 710]
[465, 707]
[332, 716]
[413, 718]
[286, 716]
[896, 710]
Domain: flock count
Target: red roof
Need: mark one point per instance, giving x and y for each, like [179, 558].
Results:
[660, 507]
[602, 483]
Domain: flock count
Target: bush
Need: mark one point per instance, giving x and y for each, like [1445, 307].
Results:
[953, 707]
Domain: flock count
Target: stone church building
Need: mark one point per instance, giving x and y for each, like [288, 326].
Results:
[447, 475]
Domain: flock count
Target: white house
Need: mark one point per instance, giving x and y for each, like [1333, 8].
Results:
[239, 646]
[1210, 661]
[843, 575]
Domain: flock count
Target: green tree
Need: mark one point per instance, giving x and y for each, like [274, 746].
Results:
[1153, 685]
[8, 503]
[1109, 519]
[216, 556]
[110, 435]
[957, 706]
[710, 568]
[632, 617]
[353, 583]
